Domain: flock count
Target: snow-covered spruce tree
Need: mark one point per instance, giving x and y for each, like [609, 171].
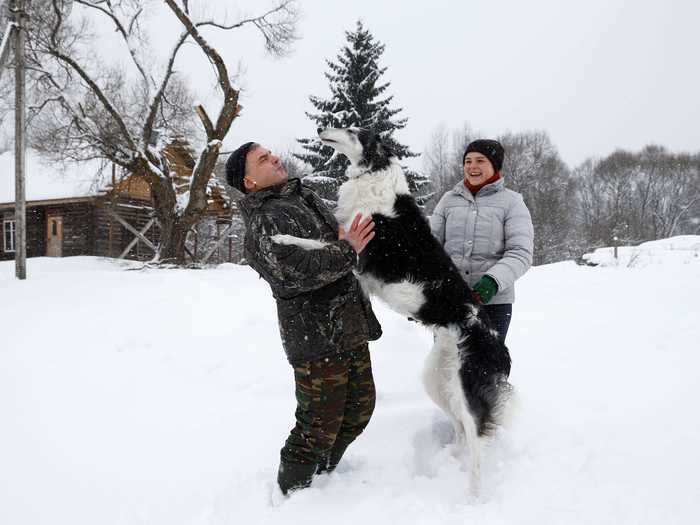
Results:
[357, 99]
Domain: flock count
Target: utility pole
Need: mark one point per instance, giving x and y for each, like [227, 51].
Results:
[15, 34]
[20, 142]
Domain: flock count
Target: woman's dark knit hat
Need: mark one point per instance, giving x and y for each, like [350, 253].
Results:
[491, 149]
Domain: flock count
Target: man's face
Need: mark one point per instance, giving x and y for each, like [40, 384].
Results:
[477, 168]
[263, 169]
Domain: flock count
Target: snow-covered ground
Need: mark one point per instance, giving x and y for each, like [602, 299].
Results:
[163, 397]
[680, 249]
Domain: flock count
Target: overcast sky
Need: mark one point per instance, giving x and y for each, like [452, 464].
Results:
[596, 75]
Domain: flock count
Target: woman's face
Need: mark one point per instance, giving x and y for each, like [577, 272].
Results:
[477, 168]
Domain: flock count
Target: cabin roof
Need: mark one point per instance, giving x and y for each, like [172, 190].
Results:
[53, 180]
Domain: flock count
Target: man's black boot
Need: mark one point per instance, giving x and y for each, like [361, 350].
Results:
[293, 476]
[328, 463]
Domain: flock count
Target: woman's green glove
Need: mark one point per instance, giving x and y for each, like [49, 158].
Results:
[485, 289]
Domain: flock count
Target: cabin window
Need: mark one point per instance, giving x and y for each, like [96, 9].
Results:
[54, 228]
[8, 230]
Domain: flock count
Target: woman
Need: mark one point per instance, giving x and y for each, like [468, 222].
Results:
[487, 231]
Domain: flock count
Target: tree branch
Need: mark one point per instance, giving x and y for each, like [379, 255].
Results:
[122, 30]
[99, 94]
[158, 97]
[278, 34]
[206, 121]
[35, 110]
[211, 53]
[109, 107]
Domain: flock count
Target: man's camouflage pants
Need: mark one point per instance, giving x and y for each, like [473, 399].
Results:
[335, 399]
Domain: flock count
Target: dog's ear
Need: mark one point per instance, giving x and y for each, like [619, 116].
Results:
[371, 145]
[377, 143]
[385, 148]
[366, 137]
[376, 154]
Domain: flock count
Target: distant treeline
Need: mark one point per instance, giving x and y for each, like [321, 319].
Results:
[631, 196]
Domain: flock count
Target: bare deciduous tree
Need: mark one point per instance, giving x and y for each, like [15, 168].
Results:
[85, 107]
[640, 196]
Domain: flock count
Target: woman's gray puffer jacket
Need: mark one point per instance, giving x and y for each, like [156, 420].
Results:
[490, 233]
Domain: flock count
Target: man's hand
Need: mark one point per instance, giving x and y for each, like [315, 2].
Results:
[359, 234]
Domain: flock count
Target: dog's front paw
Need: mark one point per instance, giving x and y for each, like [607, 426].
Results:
[307, 244]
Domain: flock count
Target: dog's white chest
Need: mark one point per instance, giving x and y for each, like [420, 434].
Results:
[371, 193]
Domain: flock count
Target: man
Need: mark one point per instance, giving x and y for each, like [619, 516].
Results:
[325, 320]
[487, 231]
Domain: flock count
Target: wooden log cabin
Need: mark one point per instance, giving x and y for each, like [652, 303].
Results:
[91, 209]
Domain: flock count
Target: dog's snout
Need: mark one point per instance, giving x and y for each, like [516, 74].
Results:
[319, 130]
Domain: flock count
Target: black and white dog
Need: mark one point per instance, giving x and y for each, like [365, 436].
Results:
[466, 373]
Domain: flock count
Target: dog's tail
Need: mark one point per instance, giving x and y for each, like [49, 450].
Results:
[485, 366]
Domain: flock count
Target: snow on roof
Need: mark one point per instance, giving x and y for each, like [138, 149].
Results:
[52, 180]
